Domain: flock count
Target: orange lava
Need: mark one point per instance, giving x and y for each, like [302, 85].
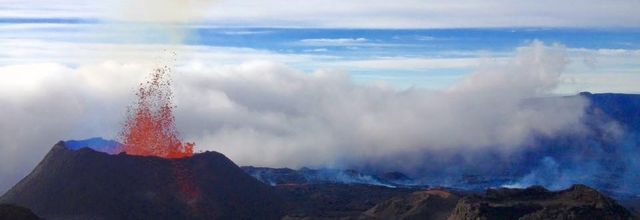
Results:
[150, 126]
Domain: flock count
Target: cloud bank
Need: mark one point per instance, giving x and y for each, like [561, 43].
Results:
[272, 115]
[266, 113]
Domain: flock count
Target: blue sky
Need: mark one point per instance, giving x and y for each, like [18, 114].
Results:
[272, 82]
[413, 43]
[432, 58]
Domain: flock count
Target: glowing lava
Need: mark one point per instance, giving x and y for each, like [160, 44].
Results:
[150, 126]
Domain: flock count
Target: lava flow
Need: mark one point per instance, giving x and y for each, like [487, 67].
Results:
[150, 126]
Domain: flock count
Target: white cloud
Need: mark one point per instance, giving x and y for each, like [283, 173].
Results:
[246, 32]
[317, 50]
[350, 14]
[46, 102]
[264, 113]
[283, 117]
[335, 41]
[36, 51]
[409, 63]
[427, 13]
[607, 63]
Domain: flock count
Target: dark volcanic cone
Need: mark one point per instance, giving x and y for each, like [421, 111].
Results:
[85, 184]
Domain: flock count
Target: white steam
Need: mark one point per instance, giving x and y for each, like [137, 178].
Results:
[264, 113]
[272, 115]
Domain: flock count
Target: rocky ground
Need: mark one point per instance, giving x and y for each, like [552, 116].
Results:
[13, 212]
[576, 202]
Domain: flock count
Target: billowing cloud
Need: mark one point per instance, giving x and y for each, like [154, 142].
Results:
[266, 113]
[269, 114]
[46, 102]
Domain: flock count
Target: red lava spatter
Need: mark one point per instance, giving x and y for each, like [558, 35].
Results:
[150, 127]
[150, 131]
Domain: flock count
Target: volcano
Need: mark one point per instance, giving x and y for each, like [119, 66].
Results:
[81, 183]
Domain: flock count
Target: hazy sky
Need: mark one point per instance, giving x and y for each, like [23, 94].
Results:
[311, 83]
[346, 14]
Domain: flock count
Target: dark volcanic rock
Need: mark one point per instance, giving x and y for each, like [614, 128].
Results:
[334, 201]
[428, 204]
[577, 202]
[12, 212]
[85, 184]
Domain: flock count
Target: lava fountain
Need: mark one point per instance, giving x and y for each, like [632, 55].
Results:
[150, 129]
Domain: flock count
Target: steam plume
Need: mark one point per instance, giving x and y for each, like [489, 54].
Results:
[272, 115]
[160, 11]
